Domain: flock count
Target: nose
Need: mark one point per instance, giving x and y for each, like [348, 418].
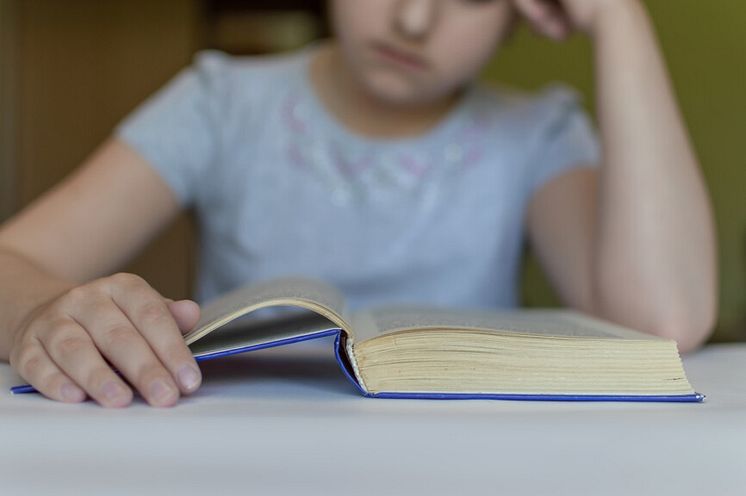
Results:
[415, 18]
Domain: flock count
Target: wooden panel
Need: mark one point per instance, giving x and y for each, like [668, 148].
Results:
[84, 65]
[8, 73]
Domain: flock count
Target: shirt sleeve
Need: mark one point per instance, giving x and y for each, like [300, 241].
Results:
[567, 138]
[176, 130]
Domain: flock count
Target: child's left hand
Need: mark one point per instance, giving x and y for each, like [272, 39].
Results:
[557, 19]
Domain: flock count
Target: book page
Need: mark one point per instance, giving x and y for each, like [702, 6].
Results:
[305, 293]
[537, 322]
[251, 331]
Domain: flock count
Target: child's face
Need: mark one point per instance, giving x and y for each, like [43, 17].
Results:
[418, 51]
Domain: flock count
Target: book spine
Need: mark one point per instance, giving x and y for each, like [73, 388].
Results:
[346, 361]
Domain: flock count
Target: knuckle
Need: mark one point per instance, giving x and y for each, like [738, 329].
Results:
[70, 345]
[117, 336]
[76, 295]
[126, 279]
[78, 299]
[152, 312]
[31, 366]
[21, 355]
[51, 318]
[57, 323]
[54, 328]
[57, 308]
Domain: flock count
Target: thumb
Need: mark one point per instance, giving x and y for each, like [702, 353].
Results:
[185, 312]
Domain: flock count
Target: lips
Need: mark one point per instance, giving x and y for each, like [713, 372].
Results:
[400, 57]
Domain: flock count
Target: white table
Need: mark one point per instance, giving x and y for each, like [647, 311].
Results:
[285, 421]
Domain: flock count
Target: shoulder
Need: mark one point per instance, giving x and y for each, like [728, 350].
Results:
[551, 121]
[225, 70]
[238, 91]
[547, 131]
[537, 109]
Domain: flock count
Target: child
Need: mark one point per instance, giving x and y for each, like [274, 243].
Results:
[376, 162]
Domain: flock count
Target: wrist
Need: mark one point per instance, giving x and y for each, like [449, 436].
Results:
[24, 289]
[16, 323]
[615, 13]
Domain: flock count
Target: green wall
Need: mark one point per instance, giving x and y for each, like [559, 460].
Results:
[705, 47]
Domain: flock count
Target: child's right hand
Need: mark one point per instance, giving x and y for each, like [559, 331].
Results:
[66, 348]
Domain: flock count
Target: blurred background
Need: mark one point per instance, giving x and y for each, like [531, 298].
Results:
[70, 70]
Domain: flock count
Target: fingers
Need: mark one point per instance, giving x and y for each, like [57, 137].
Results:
[35, 366]
[68, 349]
[127, 350]
[73, 352]
[146, 309]
[185, 312]
[546, 17]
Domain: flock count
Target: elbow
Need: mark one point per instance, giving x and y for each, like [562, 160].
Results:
[686, 314]
[690, 325]
[690, 331]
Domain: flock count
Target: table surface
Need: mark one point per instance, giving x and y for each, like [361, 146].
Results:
[285, 421]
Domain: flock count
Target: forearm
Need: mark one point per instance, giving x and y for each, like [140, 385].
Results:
[23, 287]
[654, 256]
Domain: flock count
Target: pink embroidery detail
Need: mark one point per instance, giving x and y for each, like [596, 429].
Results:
[290, 116]
[296, 157]
[472, 156]
[359, 168]
[348, 167]
[416, 167]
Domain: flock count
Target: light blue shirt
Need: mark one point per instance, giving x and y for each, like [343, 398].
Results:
[280, 187]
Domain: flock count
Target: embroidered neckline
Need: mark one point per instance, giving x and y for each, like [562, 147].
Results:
[362, 169]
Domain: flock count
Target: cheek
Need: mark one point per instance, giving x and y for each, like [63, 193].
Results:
[354, 21]
[459, 62]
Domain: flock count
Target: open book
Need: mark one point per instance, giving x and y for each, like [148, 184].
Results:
[416, 352]
[406, 352]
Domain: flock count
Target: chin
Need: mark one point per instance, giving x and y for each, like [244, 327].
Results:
[396, 90]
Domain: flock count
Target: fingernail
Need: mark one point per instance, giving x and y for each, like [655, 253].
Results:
[71, 393]
[188, 377]
[112, 390]
[160, 392]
